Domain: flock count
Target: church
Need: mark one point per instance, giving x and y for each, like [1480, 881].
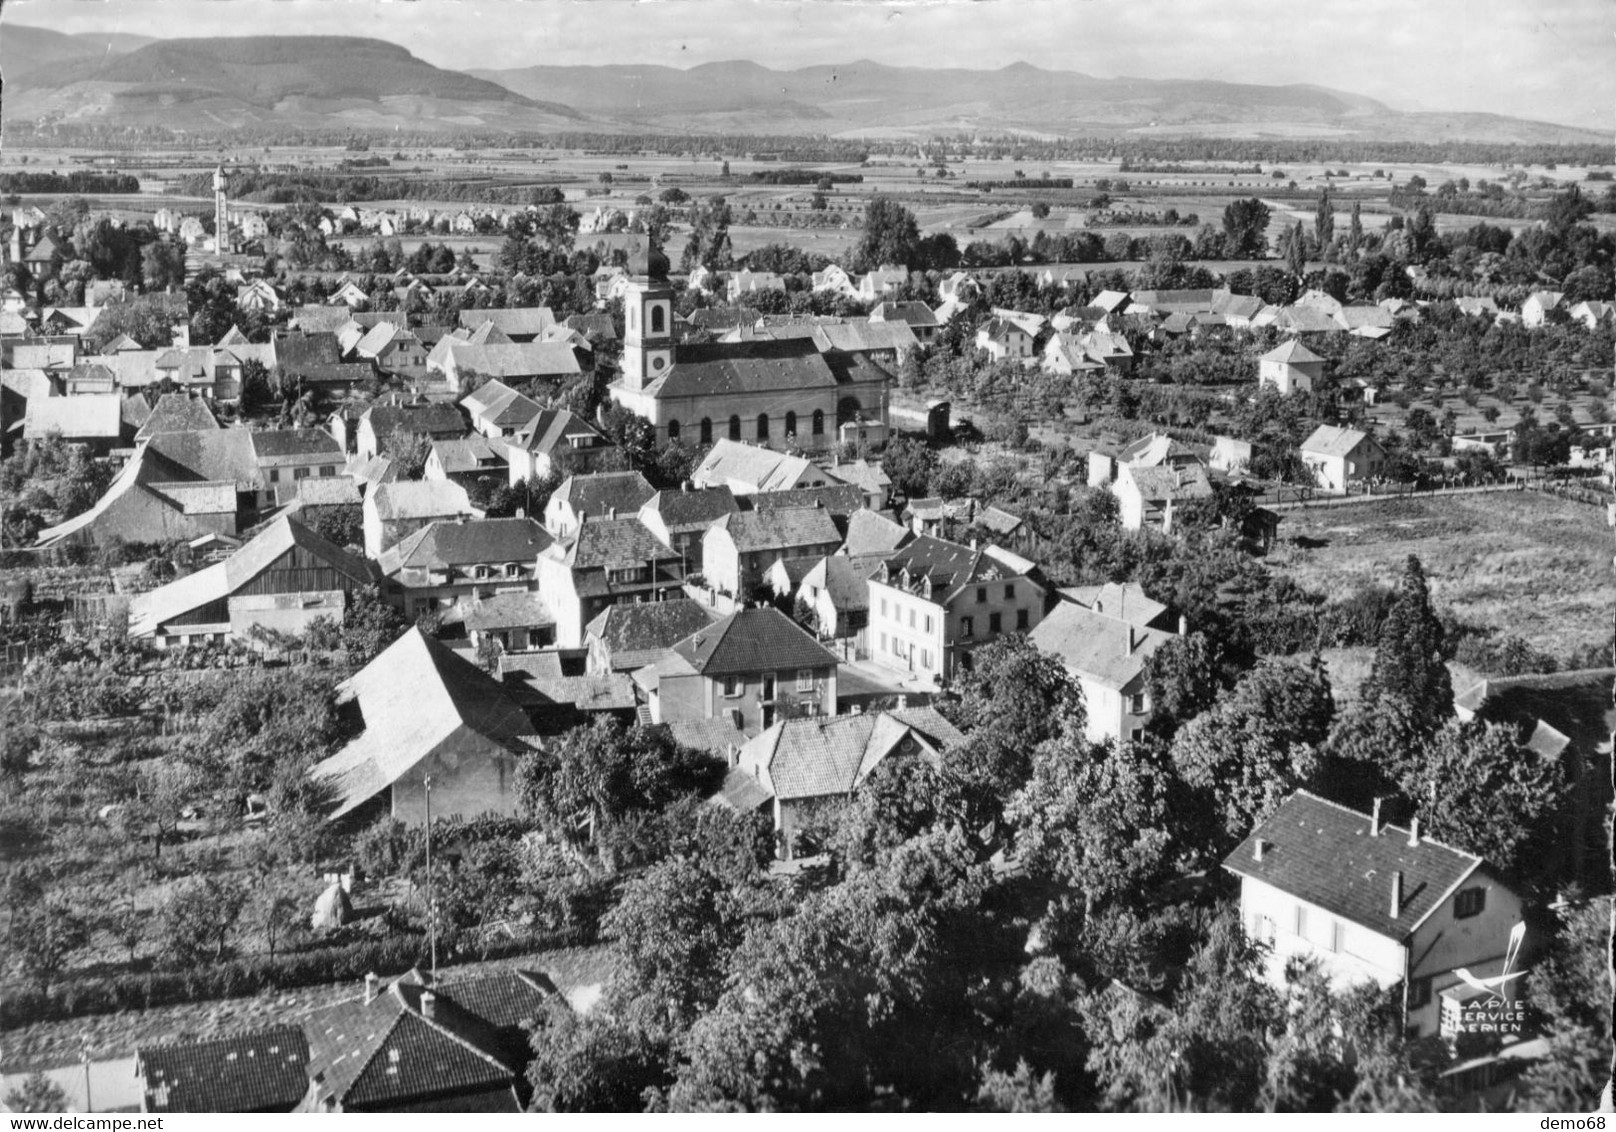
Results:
[783, 393]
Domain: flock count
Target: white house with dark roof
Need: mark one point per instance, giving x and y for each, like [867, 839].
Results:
[1381, 904]
[754, 666]
[625, 637]
[518, 324]
[600, 563]
[797, 767]
[932, 601]
[1105, 646]
[1539, 305]
[448, 562]
[496, 409]
[601, 495]
[554, 442]
[1149, 496]
[746, 469]
[396, 509]
[393, 350]
[1342, 458]
[1290, 368]
[681, 518]
[467, 460]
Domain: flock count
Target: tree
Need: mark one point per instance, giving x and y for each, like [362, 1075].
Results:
[408, 450]
[1182, 679]
[1411, 657]
[369, 625]
[891, 235]
[1296, 251]
[256, 395]
[592, 1063]
[44, 936]
[1021, 1091]
[910, 464]
[1355, 233]
[36, 1093]
[1245, 229]
[199, 917]
[1324, 222]
[1477, 788]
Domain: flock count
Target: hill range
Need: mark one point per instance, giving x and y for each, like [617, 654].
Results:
[369, 84]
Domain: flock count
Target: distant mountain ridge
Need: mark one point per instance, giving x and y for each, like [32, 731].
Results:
[364, 83]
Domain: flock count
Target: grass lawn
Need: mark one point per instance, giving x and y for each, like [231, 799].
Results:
[1524, 563]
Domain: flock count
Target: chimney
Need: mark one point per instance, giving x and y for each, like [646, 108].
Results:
[1257, 849]
[611, 513]
[1183, 625]
[1397, 894]
[1414, 833]
[373, 986]
[429, 1005]
[1374, 820]
[1134, 642]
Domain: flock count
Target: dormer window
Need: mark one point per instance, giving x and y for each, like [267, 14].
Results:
[513, 569]
[479, 572]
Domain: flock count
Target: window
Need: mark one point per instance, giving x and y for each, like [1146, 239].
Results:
[925, 658]
[513, 569]
[274, 475]
[1469, 902]
[300, 473]
[1021, 619]
[1300, 926]
[706, 430]
[763, 426]
[981, 595]
[883, 607]
[995, 622]
[1419, 993]
[480, 572]
[819, 422]
[1262, 928]
[791, 424]
[659, 320]
[1138, 703]
[805, 679]
[967, 626]
[911, 619]
[1338, 935]
[732, 686]
[327, 470]
[928, 622]
[883, 642]
[1009, 591]
[734, 427]
[673, 430]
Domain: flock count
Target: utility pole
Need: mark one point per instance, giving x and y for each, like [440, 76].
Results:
[431, 909]
[84, 1056]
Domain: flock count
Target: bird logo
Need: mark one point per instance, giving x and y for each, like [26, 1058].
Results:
[1495, 985]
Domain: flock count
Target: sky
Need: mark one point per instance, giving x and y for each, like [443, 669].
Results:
[1549, 60]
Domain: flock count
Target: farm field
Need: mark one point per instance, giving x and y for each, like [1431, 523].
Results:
[1523, 563]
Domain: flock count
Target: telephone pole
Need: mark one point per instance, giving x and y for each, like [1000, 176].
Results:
[431, 907]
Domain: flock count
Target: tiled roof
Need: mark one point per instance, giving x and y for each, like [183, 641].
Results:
[506, 611]
[253, 1071]
[462, 454]
[178, 412]
[1125, 601]
[82, 416]
[839, 500]
[1322, 853]
[1097, 646]
[602, 493]
[862, 337]
[514, 360]
[295, 351]
[716, 736]
[467, 542]
[752, 640]
[912, 313]
[327, 491]
[1291, 353]
[1331, 440]
[552, 430]
[1157, 448]
[430, 420]
[420, 499]
[949, 565]
[610, 543]
[215, 455]
[515, 322]
[630, 633]
[501, 406]
[870, 532]
[284, 442]
[845, 579]
[1577, 705]
[413, 696]
[817, 758]
[764, 366]
[759, 468]
[1162, 483]
[596, 327]
[683, 511]
[779, 528]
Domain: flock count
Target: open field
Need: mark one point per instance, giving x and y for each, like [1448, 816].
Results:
[1524, 563]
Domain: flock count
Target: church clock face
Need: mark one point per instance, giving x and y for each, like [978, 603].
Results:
[658, 363]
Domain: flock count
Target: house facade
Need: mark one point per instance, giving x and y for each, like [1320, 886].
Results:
[1342, 458]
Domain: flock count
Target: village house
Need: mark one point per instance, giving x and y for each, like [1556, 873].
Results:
[882, 281]
[516, 324]
[450, 561]
[836, 591]
[515, 621]
[625, 637]
[932, 601]
[92, 420]
[835, 280]
[1539, 305]
[754, 666]
[468, 461]
[601, 495]
[745, 282]
[393, 350]
[1342, 458]
[1150, 497]
[454, 361]
[918, 317]
[286, 456]
[1290, 368]
[740, 548]
[797, 768]
[681, 518]
[496, 409]
[426, 712]
[746, 469]
[262, 1070]
[556, 442]
[1105, 645]
[1001, 339]
[393, 511]
[155, 498]
[381, 422]
[601, 563]
[1379, 904]
[283, 579]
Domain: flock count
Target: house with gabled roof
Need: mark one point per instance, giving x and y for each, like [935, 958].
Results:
[1106, 650]
[681, 518]
[624, 637]
[917, 316]
[449, 562]
[745, 282]
[350, 295]
[932, 601]
[798, 767]
[284, 578]
[377, 424]
[288, 455]
[1150, 496]
[94, 420]
[467, 460]
[835, 280]
[601, 495]
[454, 360]
[453, 1045]
[1002, 338]
[836, 589]
[425, 712]
[741, 547]
[1342, 458]
[1381, 904]
[747, 469]
[1290, 368]
[157, 499]
[604, 562]
[517, 324]
[393, 349]
[1539, 305]
[262, 1070]
[881, 281]
[395, 509]
[754, 666]
[496, 409]
[556, 442]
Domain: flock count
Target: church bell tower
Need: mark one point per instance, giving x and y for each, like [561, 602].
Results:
[647, 332]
